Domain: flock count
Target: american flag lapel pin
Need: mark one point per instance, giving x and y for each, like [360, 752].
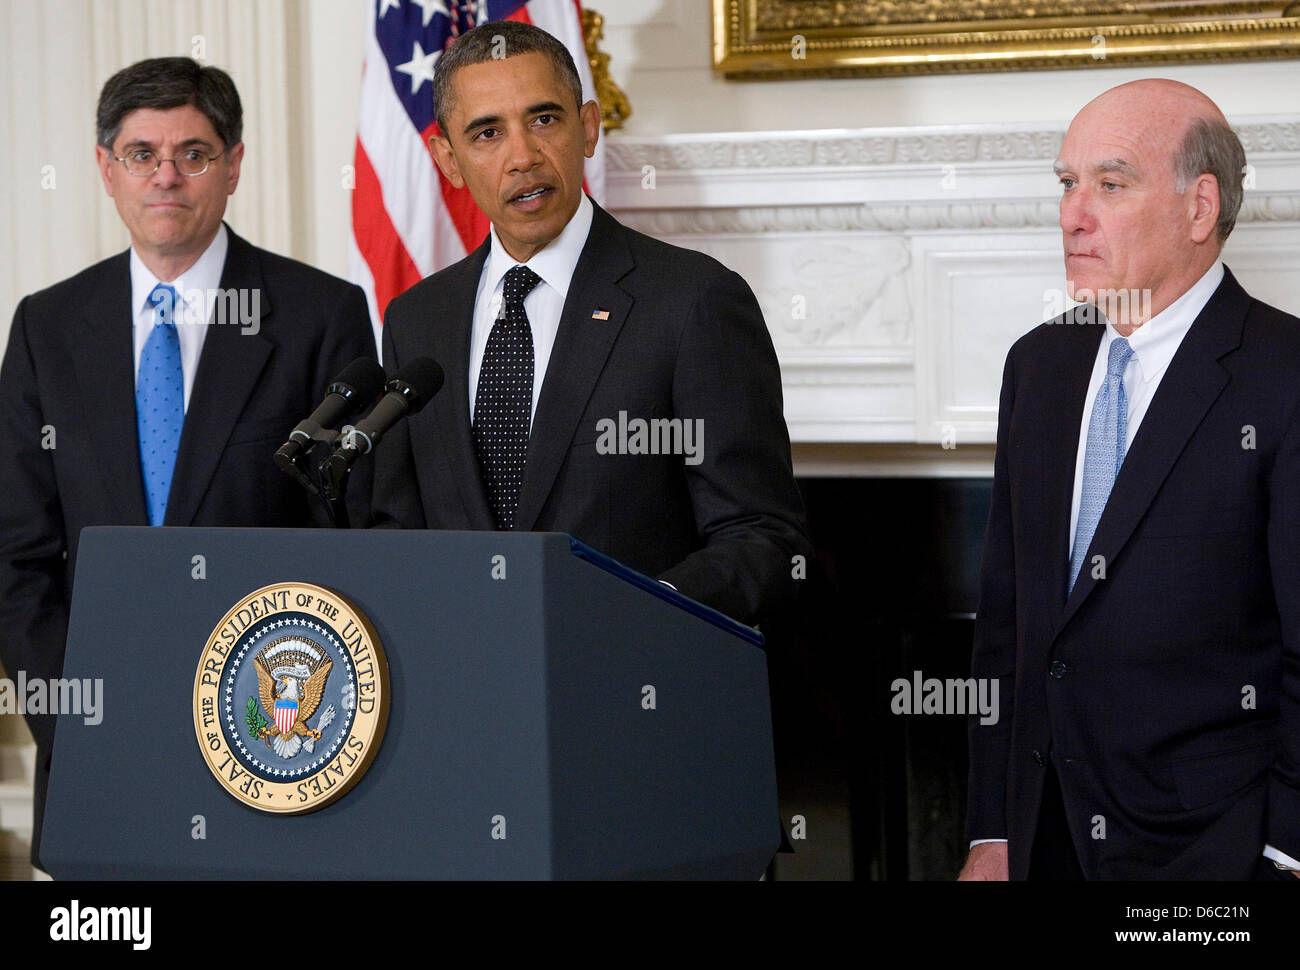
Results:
[600, 314]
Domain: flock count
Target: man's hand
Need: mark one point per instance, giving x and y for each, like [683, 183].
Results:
[987, 862]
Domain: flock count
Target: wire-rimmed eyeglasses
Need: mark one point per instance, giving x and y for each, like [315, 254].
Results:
[144, 163]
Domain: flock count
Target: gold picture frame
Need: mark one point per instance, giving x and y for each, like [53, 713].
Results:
[775, 39]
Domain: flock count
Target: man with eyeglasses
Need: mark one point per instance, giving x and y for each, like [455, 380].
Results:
[154, 387]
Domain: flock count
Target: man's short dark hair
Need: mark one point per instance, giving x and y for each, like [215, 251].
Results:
[493, 41]
[170, 82]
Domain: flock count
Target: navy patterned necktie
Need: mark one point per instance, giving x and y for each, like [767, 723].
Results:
[503, 403]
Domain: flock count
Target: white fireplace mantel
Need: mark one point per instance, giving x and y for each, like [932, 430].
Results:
[896, 266]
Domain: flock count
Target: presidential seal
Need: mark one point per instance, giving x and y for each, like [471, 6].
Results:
[291, 698]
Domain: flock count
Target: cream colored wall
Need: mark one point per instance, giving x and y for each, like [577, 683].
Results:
[297, 64]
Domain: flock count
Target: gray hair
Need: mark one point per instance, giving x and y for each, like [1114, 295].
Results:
[170, 82]
[498, 40]
[1211, 147]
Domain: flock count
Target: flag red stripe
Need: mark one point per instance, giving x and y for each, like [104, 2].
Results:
[393, 204]
[380, 245]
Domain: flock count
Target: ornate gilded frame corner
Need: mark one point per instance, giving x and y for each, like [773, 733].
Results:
[778, 39]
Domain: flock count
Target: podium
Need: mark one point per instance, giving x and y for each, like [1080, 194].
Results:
[553, 715]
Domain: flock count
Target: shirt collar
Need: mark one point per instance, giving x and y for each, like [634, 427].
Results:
[194, 287]
[555, 262]
[1156, 341]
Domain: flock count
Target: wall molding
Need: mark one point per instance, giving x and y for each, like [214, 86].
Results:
[885, 146]
[843, 218]
[915, 217]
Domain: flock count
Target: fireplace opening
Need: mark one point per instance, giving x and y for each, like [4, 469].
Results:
[891, 598]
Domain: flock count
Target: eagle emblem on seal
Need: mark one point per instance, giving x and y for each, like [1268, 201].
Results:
[291, 676]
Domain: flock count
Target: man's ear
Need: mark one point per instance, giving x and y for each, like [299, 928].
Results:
[236, 156]
[590, 115]
[445, 158]
[1205, 212]
[105, 160]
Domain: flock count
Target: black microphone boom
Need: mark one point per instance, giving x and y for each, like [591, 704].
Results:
[410, 390]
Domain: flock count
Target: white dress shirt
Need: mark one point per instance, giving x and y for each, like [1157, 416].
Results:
[555, 264]
[1154, 345]
[196, 289]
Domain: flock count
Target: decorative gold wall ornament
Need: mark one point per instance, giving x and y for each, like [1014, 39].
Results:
[774, 39]
[614, 106]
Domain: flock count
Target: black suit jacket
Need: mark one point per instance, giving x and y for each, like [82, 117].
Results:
[1166, 694]
[70, 368]
[684, 339]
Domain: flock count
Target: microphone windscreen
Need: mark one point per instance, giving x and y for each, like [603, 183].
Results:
[365, 376]
[424, 377]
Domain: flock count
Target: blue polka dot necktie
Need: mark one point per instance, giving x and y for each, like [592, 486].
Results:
[1107, 431]
[503, 403]
[160, 402]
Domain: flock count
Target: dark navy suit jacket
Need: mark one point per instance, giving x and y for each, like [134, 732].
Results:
[683, 338]
[1166, 694]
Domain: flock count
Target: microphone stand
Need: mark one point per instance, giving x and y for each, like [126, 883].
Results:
[334, 477]
[332, 489]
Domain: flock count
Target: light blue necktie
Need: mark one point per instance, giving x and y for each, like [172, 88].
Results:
[1107, 430]
[160, 402]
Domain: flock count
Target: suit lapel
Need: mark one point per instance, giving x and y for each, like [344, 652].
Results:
[229, 367]
[1191, 385]
[451, 418]
[582, 346]
[104, 362]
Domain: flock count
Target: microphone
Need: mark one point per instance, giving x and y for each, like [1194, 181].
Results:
[409, 390]
[358, 385]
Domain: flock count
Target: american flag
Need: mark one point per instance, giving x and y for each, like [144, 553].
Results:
[407, 220]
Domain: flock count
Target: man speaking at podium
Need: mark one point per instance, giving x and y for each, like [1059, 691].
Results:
[154, 387]
[599, 382]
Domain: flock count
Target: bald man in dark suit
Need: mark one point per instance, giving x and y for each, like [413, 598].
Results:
[1140, 604]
